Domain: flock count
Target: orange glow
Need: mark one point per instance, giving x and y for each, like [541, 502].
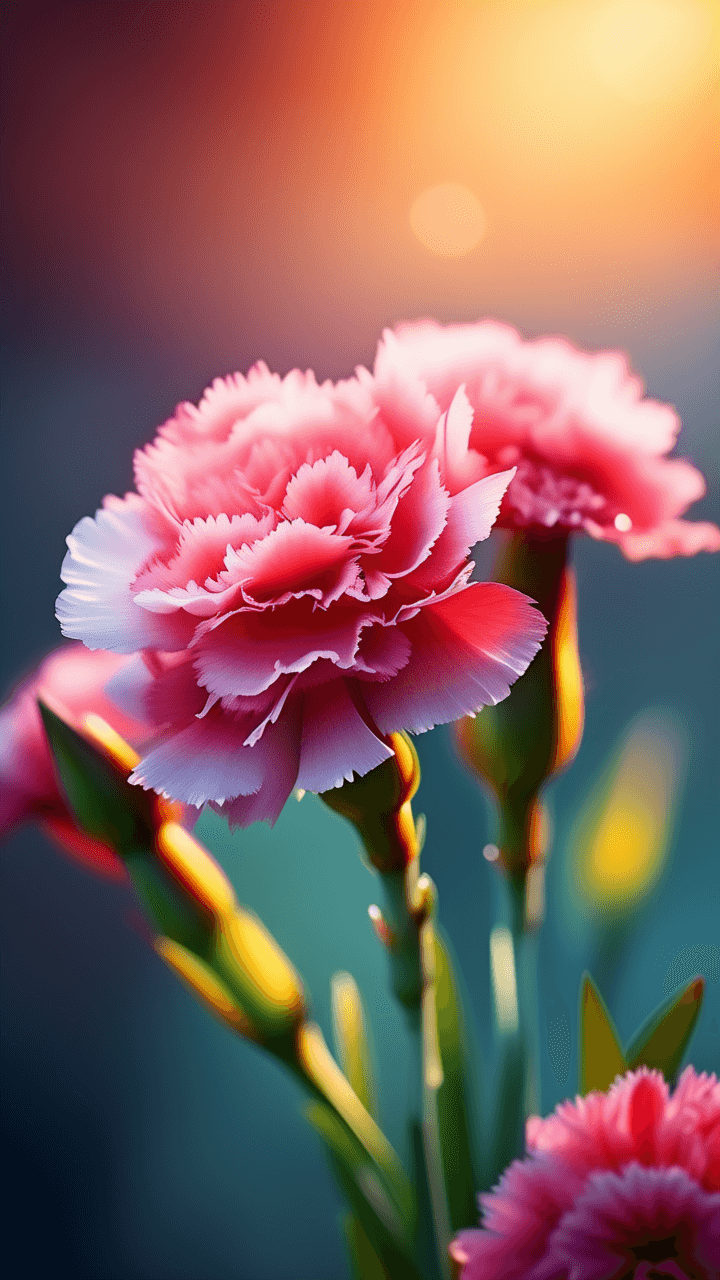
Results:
[448, 220]
[645, 50]
[221, 176]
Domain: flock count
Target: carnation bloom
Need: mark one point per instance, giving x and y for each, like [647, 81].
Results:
[589, 451]
[294, 568]
[72, 681]
[623, 1185]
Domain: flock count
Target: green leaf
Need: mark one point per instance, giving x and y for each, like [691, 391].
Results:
[426, 1240]
[601, 1057]
[364, 1262]
[99, 796]
[507, 1141]
[351, 1038]
[369, 1200]
[456, 1105]
[662, 1039]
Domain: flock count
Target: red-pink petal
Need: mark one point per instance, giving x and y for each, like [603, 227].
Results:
[296, 558]
[673, 538]
[328, 492]
[382, 652]
[418, 521]
[466, 652]
[248, 651]
[471, 515]
[201, 548]
[336, 741]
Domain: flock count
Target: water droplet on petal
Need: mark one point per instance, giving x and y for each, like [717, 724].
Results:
[622, 523]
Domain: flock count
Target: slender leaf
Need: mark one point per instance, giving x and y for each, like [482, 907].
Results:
[662, 1039]
[364, 1261]
[507, 1140]
[368, 1199]
[601, 1057]
[351, 1038]
[456, 1106]
[425, 1232]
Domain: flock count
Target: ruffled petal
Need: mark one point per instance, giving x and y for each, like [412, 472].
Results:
[466, 652]
[278, 754]
[418, 522]
[204, 761]
[336, 741]
[248, 651]
[295, 559]
[97, 605]
[201, 549]
[405, 404]
[471, 516]
[328, 492]
[382, 652]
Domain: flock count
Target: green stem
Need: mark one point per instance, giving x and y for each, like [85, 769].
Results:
[514, 943]
[410, 940]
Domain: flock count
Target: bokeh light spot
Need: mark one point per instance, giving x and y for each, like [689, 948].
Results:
[448, 219]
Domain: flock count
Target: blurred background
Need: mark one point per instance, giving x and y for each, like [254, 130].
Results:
[189, 187]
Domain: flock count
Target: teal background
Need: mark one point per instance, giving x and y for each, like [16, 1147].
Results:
[141, 1140]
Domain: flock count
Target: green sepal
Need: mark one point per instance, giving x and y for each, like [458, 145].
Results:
[456, 1104]
[662, 1039]
[377, 1213]
[99, 796]
[512, 745]
[170, 909]
[124, 818]
[601, 1058]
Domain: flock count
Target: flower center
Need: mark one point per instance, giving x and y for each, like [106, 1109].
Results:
[538, 496]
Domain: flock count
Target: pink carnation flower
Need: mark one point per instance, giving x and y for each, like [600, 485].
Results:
[295, 570]
[72, 681]
[623, 1185]
[589, 451]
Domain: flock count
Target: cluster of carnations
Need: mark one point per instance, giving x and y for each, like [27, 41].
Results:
[290, 588]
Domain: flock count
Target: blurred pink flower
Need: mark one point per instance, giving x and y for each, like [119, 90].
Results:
[589, 450]
[295, 570]
[623, 1185]
[71, 680]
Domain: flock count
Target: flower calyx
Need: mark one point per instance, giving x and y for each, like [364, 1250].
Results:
[379, 806]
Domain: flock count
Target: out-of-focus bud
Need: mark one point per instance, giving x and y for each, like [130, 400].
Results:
[71, 680]
[221, 950]
[93, 776]
[622, 837]
[379, 805]
[203, 983]
[257, 969]
[518, 745]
